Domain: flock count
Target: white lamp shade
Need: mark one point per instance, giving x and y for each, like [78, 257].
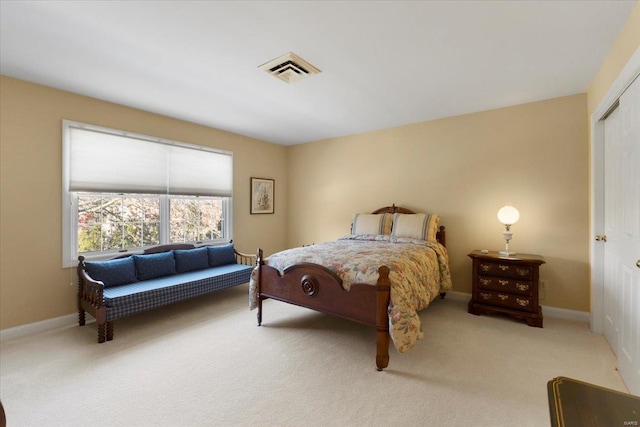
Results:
[508, 215]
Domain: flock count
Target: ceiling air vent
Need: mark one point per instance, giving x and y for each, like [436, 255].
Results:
[289, 68]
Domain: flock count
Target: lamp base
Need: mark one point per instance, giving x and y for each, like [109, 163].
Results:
[505, 253]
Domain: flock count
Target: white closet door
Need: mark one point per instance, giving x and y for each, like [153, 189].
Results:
[622, 228]
[612, 181]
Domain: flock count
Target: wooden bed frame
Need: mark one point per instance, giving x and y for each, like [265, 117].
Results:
[318, 288]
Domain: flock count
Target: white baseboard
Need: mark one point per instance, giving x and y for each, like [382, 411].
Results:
[72, 319]
[564, 313]
[548, 311]
[42, 326]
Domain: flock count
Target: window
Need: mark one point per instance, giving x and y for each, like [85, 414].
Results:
[117, 222]
[195, 219]
[124, 192]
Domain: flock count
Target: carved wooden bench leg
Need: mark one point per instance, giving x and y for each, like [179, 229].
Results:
[110, 330]
[101, 332]
[259, 314]
[81, 317]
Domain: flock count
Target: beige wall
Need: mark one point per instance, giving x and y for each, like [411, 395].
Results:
[465, 168]
[534, 156]
[33, 284]
[625, 45]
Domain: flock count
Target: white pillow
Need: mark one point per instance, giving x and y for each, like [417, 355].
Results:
[416, 226]
[371, 224]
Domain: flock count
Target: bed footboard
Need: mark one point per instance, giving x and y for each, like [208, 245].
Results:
[318, 288]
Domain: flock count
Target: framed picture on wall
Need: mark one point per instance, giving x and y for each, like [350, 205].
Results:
[262, 195]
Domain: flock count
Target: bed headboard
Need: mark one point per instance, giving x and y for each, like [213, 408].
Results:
[440, 234]
[393, 209]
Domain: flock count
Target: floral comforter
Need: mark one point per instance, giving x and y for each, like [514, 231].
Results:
[419, 272]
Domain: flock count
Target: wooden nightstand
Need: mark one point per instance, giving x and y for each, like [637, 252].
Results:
[506, 285]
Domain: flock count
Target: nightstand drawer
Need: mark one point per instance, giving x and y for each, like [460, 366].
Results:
[505, 269]
[521, 287]
[503, 299]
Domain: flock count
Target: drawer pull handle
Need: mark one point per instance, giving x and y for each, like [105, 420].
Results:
[523, 271]
[484, 267]
[503, 282]
[522, 302]
[503, 297]
[522, 287]
[485, 281]
[485, 296]
[503, 267]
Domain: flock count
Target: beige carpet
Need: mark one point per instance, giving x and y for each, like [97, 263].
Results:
[205, 363]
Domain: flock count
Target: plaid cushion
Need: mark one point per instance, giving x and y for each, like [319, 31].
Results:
[121, 301]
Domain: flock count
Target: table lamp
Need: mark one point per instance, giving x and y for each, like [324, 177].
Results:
[508, 215]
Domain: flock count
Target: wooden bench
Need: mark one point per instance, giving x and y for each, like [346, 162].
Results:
[161, 275]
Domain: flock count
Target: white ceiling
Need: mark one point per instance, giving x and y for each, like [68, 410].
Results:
[383, 64]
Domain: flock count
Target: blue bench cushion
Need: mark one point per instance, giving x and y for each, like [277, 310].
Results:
[154, 265]
[191, 259]
[112, 272]
[124, 300]
[221, 255]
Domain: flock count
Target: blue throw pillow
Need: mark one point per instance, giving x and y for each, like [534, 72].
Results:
[221, 255]
[155, 265]
[113, 272]
[191, 259]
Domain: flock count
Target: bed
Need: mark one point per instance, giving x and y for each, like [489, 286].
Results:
[392, 265]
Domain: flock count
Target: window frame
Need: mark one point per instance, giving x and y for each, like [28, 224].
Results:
[70, 202]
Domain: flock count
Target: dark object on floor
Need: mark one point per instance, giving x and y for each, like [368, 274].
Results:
[580, 404]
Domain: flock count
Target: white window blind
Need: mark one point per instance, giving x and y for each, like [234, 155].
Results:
[102, 161]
